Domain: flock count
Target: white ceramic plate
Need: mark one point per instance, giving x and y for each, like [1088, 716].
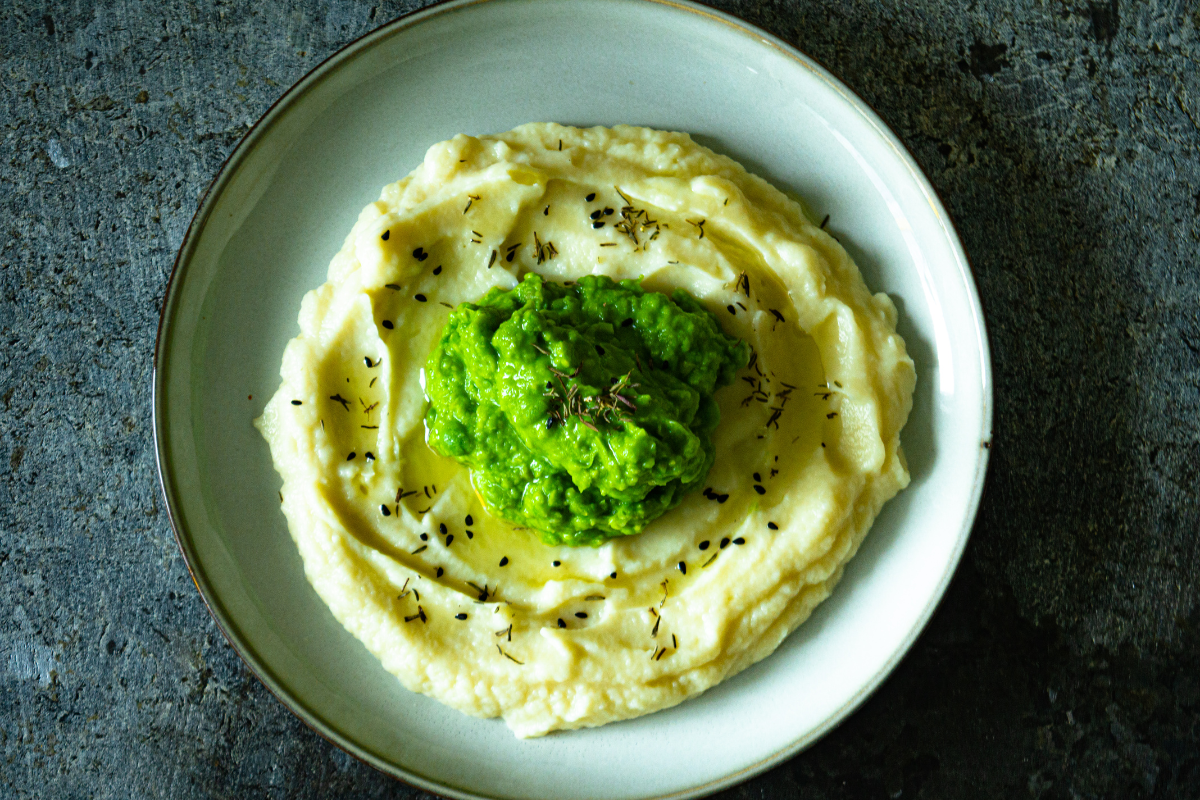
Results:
[279, 211]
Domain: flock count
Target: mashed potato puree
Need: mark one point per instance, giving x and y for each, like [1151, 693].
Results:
[481, 614]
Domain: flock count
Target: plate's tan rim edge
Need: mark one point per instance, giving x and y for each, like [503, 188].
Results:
[302, 87]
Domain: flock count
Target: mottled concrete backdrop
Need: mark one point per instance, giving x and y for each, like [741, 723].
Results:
[1065, 139]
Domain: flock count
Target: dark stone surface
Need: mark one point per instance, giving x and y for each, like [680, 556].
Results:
[1065, 139]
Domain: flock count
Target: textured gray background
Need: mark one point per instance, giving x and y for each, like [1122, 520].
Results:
[1065, 139]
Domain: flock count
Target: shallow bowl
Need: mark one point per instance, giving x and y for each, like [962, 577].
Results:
[280, 209]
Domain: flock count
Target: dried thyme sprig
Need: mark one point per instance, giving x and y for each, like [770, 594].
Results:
[543, 251]
[610, 406]
[635, 223]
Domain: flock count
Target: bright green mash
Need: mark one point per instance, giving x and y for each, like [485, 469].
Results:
[583, 411]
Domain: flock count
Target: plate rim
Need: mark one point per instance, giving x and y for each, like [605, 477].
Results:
[260, 128]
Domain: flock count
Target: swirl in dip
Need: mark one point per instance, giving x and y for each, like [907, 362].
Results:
[481, 613]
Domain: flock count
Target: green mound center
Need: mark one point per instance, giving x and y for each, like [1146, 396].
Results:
[583, 411]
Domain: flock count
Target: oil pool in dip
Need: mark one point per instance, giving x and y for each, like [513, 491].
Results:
[481, 613]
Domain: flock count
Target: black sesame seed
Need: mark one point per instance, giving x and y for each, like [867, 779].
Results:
[387, 512]
[596, 214]
[420, 298]
[704, 545]
[351, 457]
[366, 360]
[440, 572]
[591, 197]
[721, 498]
[369, 456]
[449, 539]
[682, 565]
[419, 254]
[558, 563]
[757, 478]
[387, 323]
[550, 423]
[612, 574]
[470, 533]
[469, 521]
[772, 526]
[608, 212]
[725, 543]
[424, 537]
[598, 224]
[442, 528]
[385, 235]
[739, 541]
[297, 403]
[460, 615]
[561, 624]
[581, 614]
[731, 309]
[504, 561]
[437, 270]
[759, 489]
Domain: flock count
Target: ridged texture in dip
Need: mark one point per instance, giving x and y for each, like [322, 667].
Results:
[468, 608]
